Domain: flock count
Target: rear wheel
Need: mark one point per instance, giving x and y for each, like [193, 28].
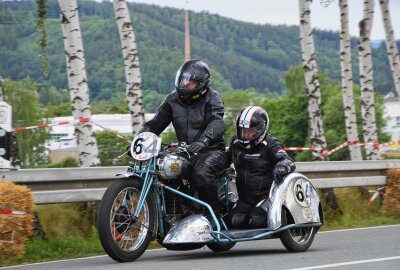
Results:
[220, 247]
[296, 239]
[122, 237]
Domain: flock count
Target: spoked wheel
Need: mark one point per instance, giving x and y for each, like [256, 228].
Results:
[296, 239]
[220, 247]
[122, 236]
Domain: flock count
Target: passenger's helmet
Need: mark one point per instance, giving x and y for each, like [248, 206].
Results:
[192, 80]
[252, 124]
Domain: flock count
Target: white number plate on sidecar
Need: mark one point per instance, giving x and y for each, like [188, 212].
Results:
[145, 146]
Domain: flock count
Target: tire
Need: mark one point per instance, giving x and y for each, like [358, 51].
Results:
[115, 223]
[296, 239]
[220, 247]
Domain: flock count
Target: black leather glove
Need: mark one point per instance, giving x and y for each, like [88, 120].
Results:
[196, 147]
[279, 172]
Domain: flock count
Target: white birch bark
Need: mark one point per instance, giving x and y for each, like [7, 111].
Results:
[317, 135]
[77, 81]
[131, 62]
[347, 83]
[366, 81]
[2, 97]
[393, 53]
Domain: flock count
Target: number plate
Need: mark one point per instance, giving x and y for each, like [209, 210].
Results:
[302, 192]
[145, 146]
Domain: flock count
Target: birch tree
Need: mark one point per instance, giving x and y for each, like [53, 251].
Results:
[131, 63]
[2, 98]
[347, 83]
[77, 81]
[310, 65]
[393, 53]
[366, 81]
[311, 79]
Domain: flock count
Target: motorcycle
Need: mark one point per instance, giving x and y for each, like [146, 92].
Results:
[153, 200]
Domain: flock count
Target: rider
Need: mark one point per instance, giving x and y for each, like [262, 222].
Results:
[259, 158]
[196, 112]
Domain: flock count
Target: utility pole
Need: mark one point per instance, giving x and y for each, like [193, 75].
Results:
[187, 37]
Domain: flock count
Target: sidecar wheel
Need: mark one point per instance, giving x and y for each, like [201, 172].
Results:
[220, 247]
[122, 238]
[296, 239]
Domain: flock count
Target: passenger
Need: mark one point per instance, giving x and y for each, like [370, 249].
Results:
[259, 158]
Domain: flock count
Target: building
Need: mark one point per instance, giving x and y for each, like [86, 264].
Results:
[63, 142]
[392, 116]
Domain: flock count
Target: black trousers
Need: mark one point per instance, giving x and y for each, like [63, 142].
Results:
[205, 168]
[247, 216]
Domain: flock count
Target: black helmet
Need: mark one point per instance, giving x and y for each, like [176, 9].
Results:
[252, 124]
[192, 80]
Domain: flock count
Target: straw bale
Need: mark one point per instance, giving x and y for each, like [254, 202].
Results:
[391, 202]
[14, 229]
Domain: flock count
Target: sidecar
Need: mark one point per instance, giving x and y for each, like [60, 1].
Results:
[294, 215]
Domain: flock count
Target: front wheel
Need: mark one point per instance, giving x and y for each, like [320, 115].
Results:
[123, 238]
[296, 239]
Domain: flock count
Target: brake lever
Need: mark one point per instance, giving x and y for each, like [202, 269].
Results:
[182, 147]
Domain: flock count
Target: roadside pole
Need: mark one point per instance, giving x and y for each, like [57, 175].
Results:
[5, 132]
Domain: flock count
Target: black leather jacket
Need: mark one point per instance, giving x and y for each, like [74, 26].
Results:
[200, 120]
[254, 167]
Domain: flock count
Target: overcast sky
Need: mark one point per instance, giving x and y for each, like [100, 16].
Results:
[286, 12]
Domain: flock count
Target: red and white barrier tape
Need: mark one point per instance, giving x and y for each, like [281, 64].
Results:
[112, 132]
[81, 120]
[324, 151]
[304, 148]
[11, 212]
[337, 148]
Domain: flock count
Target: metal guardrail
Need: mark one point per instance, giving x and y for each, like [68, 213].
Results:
[63, 185]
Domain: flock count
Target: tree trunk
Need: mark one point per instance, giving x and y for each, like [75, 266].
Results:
[77, 81]
[366, 81]
[347, 83]
[2, 97]
[393, 53]
[310, 65]
[131, 62]
[311, 79]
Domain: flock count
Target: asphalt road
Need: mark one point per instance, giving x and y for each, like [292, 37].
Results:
[365, 248]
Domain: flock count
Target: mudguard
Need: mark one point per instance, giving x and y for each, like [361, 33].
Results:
[298, 195]
[191, 229]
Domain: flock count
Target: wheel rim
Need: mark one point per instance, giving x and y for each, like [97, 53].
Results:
[127, 234]
[301, 234]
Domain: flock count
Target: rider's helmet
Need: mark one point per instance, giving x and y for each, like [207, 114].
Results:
[192, 80]
[252, 124]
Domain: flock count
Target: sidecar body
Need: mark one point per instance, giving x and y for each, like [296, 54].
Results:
[293, 209]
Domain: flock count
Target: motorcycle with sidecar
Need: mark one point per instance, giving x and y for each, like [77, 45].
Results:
[152, 200]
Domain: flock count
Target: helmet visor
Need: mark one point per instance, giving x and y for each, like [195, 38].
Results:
[186, 82]
[248, 134]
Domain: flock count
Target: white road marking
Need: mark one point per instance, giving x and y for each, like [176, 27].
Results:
[346, 263]
[365, 228]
